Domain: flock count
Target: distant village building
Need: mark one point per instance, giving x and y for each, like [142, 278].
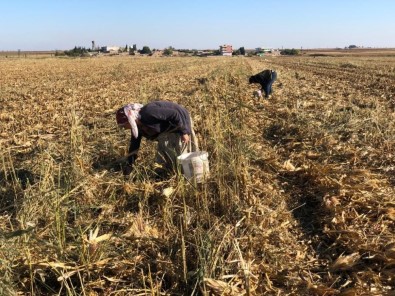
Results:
[261, 51]
[109, 49]
[226, 50]
[204, 53]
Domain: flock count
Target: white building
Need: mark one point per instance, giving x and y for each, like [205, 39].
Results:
[110, 48]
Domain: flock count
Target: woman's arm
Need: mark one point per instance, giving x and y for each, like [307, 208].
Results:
[133, 150]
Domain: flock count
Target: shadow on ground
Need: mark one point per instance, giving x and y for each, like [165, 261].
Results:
[12, 184]
[107, 162]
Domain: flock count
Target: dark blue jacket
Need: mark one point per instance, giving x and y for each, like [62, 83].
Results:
[265, 79]
[158, 117]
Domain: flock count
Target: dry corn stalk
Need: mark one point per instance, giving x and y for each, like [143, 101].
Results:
[345, 262]
[218, 287]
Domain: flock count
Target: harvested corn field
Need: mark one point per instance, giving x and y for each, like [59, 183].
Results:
[300, 199]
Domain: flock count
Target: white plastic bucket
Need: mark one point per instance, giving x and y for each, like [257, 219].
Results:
[195, 165]
[258, 93]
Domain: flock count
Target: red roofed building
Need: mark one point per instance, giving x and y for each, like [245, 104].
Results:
[226, 50]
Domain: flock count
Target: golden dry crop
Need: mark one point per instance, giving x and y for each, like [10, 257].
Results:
[300, 199]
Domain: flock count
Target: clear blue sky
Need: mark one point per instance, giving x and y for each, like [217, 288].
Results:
[196, 24]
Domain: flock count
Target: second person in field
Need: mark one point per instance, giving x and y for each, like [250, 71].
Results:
[266, 79]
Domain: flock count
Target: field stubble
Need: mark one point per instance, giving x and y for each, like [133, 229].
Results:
[300, 198]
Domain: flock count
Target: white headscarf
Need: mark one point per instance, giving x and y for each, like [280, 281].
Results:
[132, 112]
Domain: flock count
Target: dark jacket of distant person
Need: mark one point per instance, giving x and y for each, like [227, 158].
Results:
[266, 79]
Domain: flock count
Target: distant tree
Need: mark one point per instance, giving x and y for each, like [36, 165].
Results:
[352, 46]
[131, 51]
[292, 51]
[168, 51]
[145, 50]
[236, 52]
[126, 48]
[76, 51]
[242, 51]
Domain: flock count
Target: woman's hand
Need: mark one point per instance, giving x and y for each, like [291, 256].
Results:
[185, 138]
